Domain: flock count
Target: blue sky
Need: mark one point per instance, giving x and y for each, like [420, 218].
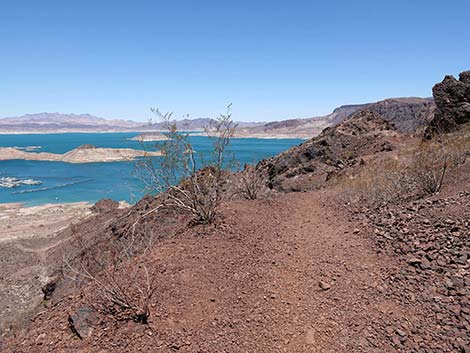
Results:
[271, 59]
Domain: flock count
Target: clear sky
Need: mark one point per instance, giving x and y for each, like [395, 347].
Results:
[271, 59]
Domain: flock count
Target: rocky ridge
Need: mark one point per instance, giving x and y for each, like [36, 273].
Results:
[311, 164]
[452, 99]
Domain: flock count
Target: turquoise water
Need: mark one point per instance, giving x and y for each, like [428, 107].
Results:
[65, 182]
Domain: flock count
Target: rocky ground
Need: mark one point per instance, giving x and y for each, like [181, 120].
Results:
[280, 275]
[28, 235]
[290, 272]
[296, 273]
[431, 239]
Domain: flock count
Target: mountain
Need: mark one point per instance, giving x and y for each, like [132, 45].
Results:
[45, 122]
[407, 115]
[311, 164]
[57, 122]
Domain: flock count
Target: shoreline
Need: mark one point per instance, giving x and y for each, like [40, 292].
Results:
[82, 154]
[51, 132]
[20, 221]
[198, 132]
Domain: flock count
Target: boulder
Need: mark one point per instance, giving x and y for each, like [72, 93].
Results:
[452, 99]
[104, 205]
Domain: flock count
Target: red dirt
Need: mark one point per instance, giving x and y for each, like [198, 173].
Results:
[290, 274]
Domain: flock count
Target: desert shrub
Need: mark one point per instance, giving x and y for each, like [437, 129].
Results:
[419, 171]
[186, 179]
[376, 185]
[118, 288]
[250, 183]
[428, 167]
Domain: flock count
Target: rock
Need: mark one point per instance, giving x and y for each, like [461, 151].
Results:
[49, 289]
[452, 98]
[414, 261]
[81, 322]
[104, 205]
[310, 165]
[86, 147]
[324, 285]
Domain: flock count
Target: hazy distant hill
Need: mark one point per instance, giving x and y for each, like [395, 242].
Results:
[57, 122]
[43, 122]
[407, 114]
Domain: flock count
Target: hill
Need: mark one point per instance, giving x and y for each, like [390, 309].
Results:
[57, 122]
[329, 269]
[407, 114]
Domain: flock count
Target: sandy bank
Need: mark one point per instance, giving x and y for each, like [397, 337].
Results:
[18, 222]
[248, 135]
[84, 154]
[151, 137]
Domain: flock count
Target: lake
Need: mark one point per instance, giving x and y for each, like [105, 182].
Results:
[66, 182]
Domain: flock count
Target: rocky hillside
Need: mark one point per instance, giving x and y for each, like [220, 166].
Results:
[408, 115]
[290, 272]
[309, 165]
[452, 99]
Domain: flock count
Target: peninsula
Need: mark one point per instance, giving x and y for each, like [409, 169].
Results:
[82, 154]
[150, 137]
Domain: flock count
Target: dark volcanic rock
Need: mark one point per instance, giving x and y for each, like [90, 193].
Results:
[86, 147]
[407, 115]
[81, 322]
[452, 99]
[432, 237]
[311, 164]
[104, 205]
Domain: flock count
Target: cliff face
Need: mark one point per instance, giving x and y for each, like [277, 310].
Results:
[452, 99]
[310, 164]
[408, 115]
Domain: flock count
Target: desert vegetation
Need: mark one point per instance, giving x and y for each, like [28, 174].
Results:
[119, 289]
[249, 183]
[188, 180]
[418, 171]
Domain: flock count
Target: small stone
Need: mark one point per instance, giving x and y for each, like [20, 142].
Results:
[324, 285]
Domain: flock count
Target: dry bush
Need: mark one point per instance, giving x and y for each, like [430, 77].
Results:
[121, 289]
[187, 181]
[377, 186]
[250, 183]
[428, 167]
[420, 171]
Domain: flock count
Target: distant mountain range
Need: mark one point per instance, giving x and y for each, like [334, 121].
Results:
[407, 114]
[57, 122]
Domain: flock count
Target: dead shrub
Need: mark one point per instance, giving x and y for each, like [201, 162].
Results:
[428, 167]
[418, 172]
[377, 186]
[187, 181]
[250, 183]
[118, 287]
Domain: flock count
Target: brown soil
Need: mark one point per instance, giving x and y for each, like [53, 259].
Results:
[287, 275]
[296, 272]
[28, 236]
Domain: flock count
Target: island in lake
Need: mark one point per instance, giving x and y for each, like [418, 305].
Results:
[82, 154]
[150, 137]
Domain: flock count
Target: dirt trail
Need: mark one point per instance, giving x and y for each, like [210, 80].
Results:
[290, 274]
